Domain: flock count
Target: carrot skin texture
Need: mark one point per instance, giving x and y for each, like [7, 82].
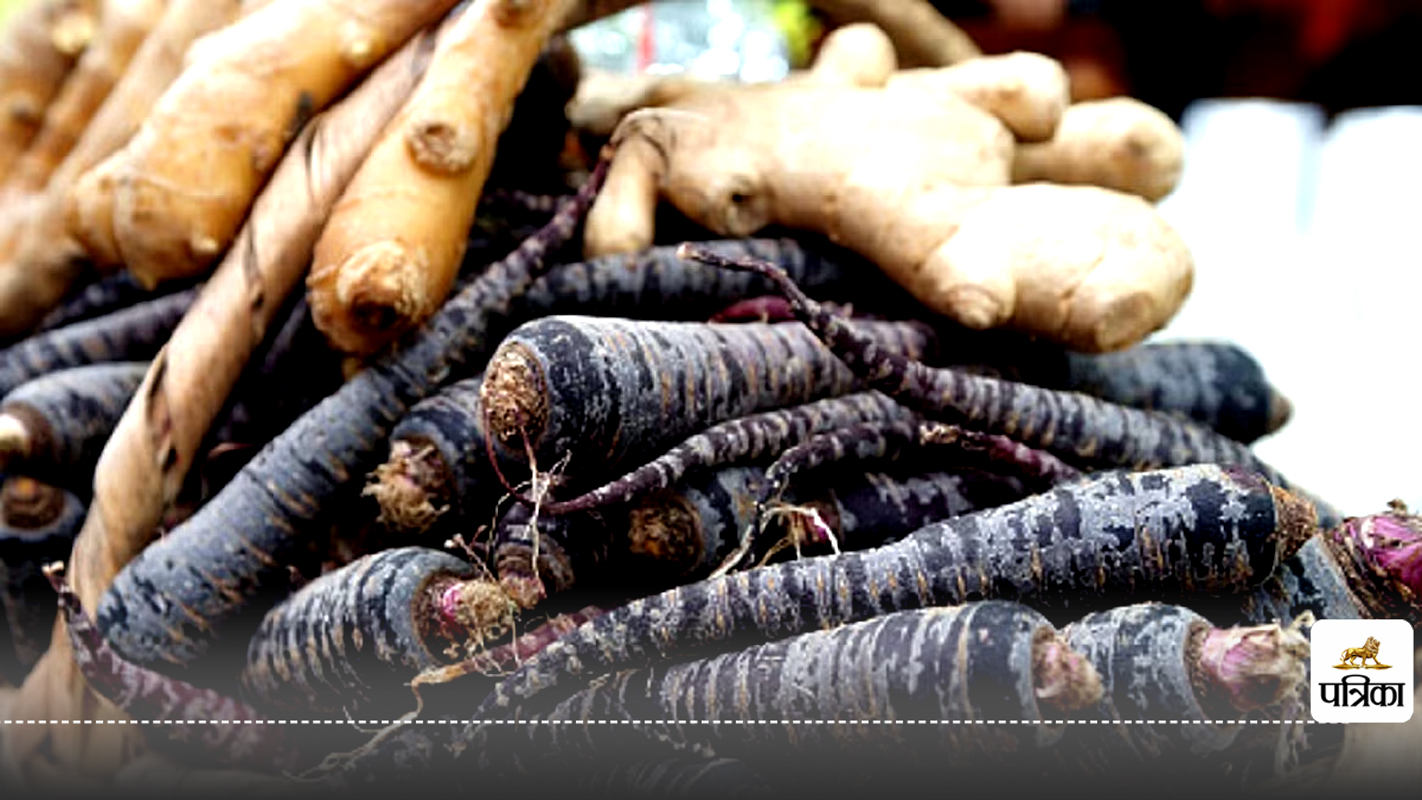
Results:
[1209, 531]
[452, 422]
[135, 333]
[912, 665]
[69, 415]
[37, 525]
[314, 461]
[741, 440]
[350, 639]
[103, 296]
[1076, 427]
[604, 392]
[242, 737]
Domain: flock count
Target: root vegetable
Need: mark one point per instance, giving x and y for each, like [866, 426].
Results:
[1195, 529]
[135, 333]
[599, 393]
[1175, 689]
[929, 202]
[392, 246]
[55, 426]
[101, 297]
[38, 523]
[316, 461]
[922, 36]
[741, 440]
[1119, 143]
[211, 723]
[351, 639]
[187, 179]
[38, 47]
[122, 27]
[1366, 568]
[1214, 383]
[854, 693]
[43, 261]
[1079, 428]
[148, 457]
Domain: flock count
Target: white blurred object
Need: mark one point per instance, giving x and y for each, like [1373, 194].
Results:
[1303, 241]
[727, 39]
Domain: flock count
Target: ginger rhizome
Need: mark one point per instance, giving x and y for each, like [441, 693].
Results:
[917, 177]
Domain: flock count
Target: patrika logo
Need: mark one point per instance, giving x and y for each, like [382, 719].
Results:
[1357, 657]
[1367, 694]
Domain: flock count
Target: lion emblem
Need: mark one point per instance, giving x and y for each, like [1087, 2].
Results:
[1356, 657]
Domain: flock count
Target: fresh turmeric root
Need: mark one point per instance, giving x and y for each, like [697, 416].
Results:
[914, 176]
[392, 247]
[39, 259]
[122, 27]
[38, 49]
[184, 183]
[156, 442]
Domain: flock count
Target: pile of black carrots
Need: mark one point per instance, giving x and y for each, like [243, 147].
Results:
[570, 533]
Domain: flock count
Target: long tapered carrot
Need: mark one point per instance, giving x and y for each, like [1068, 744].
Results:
[1076, 427]
[316, 460]
[134, 333]
[1118, 535]
[392, 246]
[144, 464]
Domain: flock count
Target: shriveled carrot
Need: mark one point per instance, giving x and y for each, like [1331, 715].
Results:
[42, 260]
[134, 333]
[1095, 541]
[55, 426]
[318, 461]
[217, 725]
[187, 179]
[599, 393]
[37, 525]
[392, 246]
[1076, 427]
[38, 48]
[122, 27]
[148, 457]
[740, 440]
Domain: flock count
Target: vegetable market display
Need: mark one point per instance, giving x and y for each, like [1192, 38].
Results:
[372, 366]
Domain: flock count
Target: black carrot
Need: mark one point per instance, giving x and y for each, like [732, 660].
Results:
[1187, 530]
[1076, 427]
[218, 560]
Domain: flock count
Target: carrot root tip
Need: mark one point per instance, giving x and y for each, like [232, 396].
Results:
[1255, 667]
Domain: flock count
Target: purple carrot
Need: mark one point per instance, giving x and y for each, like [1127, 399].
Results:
[189, 712]
[1076, 427]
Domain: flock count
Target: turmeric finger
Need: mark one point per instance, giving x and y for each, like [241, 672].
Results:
[38, 49]
[189, 176]
[391, 248]
[45, 260]
[122, 27]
